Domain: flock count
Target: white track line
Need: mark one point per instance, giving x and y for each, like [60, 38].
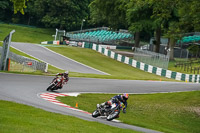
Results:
[62, 56]
[77, 61]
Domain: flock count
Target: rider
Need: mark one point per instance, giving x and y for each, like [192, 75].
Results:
[65, 76]
[118, 98]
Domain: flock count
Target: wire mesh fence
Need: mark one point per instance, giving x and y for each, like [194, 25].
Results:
[151, 58]
[17, 67]
[22, 63]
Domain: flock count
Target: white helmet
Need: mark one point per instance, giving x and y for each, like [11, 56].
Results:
[66, 72]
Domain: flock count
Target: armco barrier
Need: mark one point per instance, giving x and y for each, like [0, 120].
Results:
[146, 67]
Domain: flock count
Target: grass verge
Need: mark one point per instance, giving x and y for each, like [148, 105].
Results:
[185, 68]
[169, 112]
[26, 34]
[117, 70]
[37, 35]
[17, 68]
[20, 118]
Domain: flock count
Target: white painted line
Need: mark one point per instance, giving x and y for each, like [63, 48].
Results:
[77, 62]
[60, 55]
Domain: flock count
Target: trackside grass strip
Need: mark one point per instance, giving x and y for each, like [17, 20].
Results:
[38, 35]
[18, 118]
[51, 69]
[166, 112]
[117, 70]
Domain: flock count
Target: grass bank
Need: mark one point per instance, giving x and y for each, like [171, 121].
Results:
[17, 68]
[169, 112]
[37, 35]
[26, 34]
[188, 68]
[20, 118]
[117, 70]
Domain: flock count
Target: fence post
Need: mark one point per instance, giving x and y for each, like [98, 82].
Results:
[5, 51]
[46, 68]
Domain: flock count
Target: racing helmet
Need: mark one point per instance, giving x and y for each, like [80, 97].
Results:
[125, 96]
[66, 73]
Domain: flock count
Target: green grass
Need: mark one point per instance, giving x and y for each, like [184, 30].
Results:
[196, 63]
[37, 35]
[51, 69]
[20, 118]
[26, 34]
[172, 112]
[169, 112]
[117, 70]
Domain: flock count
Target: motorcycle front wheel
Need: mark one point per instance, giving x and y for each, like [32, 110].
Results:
[95, 114]
[50, 87]
[113, 115]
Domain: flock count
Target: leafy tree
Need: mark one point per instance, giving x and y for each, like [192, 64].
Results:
[109, 12]
[64, 14]
[194, 49]
[189, 13]
[138, 17]
[166, 19]
[97, 16]
[6, 10]
[174, 33]
[19, 5]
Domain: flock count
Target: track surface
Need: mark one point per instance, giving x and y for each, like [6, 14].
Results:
[54, 59]
[26, 89]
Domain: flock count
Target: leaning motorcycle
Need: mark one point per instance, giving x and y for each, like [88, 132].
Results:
[111, 112]
[55, 84]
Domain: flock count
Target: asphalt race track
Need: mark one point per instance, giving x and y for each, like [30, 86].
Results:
[54, 59]
[26, 89]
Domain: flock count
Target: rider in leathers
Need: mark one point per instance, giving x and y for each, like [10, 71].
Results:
[118, 98]
[65, 76]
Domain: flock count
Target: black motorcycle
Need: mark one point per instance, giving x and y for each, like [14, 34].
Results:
[56, 84]
[111, 112]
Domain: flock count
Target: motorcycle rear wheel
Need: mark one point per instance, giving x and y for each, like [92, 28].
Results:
[95, 114]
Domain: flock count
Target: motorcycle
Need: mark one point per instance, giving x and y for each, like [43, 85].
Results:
[111, 112]
[56, 84]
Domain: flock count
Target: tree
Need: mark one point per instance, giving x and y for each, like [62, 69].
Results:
[173, 33]
[165, 17]
[194, 49]
[6, 10]
[97, 16]
[63, 14]
[19, 5]
[189, 13]
[109, 12]
[138, 17]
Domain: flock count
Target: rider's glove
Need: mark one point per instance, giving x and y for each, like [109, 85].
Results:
[124, 110]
